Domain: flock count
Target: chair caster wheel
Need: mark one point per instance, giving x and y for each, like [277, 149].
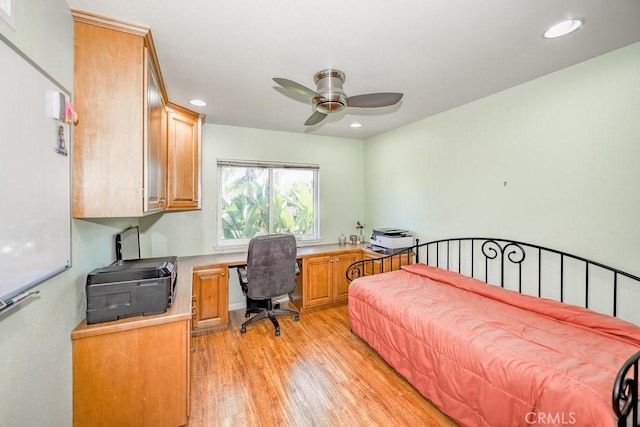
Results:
[243, 330]
[247, 314]
[296, 318]
[277, 333]
[276, 306]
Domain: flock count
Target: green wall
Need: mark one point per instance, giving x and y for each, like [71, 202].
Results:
[341, 189]
[553, 161]
[566, 145]
[35, 349]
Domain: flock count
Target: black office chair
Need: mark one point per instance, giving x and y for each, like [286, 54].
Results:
[270, 272]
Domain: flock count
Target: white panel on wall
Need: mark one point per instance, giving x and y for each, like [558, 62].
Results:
[35, 225]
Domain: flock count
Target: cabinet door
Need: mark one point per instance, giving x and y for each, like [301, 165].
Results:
[183, 158]
[318, 277]
[155, 142]
[137, 377]
[378, 266]
[374, 266]
[397, 261]
[210, 297]
[107, 143]
[340, 264]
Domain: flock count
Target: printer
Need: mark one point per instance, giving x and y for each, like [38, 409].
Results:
[390, 240]
[130, 286]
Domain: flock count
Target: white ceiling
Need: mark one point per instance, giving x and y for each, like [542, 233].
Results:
[439, 53]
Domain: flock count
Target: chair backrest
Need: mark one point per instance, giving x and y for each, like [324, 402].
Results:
[271, 266]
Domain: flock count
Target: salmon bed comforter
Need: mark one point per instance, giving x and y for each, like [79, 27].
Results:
[487, 356]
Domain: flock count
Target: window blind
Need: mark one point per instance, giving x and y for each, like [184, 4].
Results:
[266, 164]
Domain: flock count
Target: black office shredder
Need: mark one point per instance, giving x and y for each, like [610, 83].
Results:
[129, 288]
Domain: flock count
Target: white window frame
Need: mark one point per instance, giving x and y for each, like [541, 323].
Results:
[7, 12]
[270, 165]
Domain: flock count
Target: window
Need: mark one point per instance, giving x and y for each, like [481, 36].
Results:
[257, 198]
[7, 12]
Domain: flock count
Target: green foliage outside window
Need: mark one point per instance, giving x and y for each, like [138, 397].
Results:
[250, 209]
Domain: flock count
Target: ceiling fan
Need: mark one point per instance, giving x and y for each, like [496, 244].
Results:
[329, 97]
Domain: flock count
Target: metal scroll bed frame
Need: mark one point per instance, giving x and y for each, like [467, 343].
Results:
[534, 270]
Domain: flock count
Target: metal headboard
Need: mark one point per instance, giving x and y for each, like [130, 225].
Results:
[547, 273]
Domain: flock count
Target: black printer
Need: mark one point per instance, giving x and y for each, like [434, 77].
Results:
[130, 287]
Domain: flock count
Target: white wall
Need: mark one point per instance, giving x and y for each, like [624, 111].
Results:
[341, 188]
[567, 145]
[35, 344]
[44, 32]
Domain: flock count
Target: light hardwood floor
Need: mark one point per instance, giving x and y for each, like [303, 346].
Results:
[316, 373]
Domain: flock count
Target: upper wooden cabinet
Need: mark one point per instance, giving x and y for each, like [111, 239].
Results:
[119, 144]
[155, 144]
[184, 158]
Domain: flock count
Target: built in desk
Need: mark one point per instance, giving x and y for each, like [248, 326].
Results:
[136, 371]
[322, 280]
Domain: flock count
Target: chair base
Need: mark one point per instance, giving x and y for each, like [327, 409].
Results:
[269, 311]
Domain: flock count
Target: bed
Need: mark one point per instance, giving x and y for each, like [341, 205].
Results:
[504, 333]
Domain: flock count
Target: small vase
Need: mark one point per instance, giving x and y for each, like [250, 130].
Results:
[361, 237]
[342, 240]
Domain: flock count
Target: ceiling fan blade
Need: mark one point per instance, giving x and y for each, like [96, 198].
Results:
[296, 87]
[382, 99]
[315, 118]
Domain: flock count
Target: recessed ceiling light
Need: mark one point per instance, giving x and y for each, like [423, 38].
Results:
[198, 103]
[563, 28]
[356, 125]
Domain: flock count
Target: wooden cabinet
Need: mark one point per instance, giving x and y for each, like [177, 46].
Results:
[184, 158]
[379, 265]
[317, 281]
[210, 301]
[155, 142]
[125, 375]
[324, 278]
[119, 144]
[341, 284]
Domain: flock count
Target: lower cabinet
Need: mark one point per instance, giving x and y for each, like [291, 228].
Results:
[341, 284]
[322, 281]
[324, 278]
[132, 375]
[378, 265]
[210, 301]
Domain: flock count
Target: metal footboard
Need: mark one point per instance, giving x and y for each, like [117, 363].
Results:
[625, 392]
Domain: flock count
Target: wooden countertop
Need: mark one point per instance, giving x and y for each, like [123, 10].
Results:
[180, 310]
[239, 258]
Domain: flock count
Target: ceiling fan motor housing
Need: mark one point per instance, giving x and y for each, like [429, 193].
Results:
[329, 85]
